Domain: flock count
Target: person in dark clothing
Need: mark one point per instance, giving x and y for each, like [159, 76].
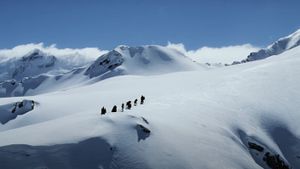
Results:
[128, 105]
[103, 111]
[122, 107]
[135, 102]
[114, 109]
[142, 99]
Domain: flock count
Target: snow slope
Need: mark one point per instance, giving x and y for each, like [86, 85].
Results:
[216, 118]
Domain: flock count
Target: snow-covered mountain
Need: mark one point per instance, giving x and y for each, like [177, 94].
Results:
[280, 46]
[233, 117]
[32, 64]
[141, 60]
[242, 116]
[20, 74]
[38, 72]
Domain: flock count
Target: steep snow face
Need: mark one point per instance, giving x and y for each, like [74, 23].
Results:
[280, 46]
[105, 63]
[142, 60]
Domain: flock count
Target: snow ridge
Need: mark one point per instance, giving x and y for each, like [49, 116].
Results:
[278, 47]
[141, 60]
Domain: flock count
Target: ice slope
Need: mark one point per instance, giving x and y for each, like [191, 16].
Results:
[198, 119]
[39, 73]
[280, 46]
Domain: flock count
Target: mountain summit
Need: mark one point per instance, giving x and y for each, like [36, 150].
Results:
[32, 64]
[141, 60]
[278, 47]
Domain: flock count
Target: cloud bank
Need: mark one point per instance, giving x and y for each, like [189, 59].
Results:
[75, 56]
[224, 55]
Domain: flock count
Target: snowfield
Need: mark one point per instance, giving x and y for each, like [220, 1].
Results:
[240, 116]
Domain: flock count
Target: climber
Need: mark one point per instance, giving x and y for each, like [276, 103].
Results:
[142, 99]
[122, 107]
[135, 102]
[128, 105]
[114, 109]
[103, 111]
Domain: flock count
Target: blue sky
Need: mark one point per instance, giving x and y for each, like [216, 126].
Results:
[108, 23]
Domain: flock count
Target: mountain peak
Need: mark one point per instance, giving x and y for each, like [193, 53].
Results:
[34, 54]
[148, 59]
[281, 45]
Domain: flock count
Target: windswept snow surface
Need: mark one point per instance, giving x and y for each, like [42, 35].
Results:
[197, 119]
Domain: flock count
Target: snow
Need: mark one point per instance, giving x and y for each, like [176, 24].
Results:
[197, 117]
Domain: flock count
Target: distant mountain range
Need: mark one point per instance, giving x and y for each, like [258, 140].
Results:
[25, 75]
[28, 73]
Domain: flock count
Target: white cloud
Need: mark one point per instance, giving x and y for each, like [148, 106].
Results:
[75, 56]
[226, 54]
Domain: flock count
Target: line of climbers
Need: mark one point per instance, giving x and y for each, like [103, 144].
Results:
[128, 106]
